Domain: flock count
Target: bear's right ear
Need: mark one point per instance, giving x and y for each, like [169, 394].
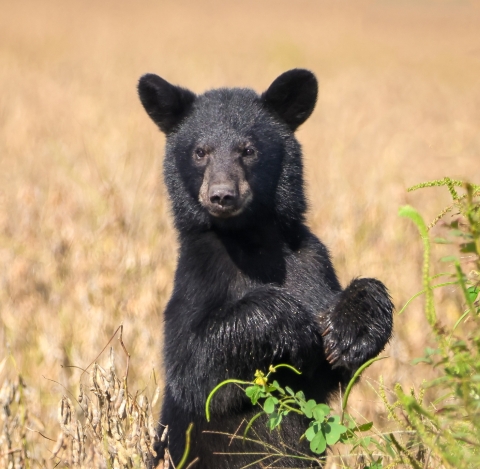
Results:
[166, 104]
[292, 96]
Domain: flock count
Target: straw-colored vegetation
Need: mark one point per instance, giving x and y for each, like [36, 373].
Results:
[86, 239]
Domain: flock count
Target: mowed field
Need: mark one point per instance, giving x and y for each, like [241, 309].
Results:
[86, 237]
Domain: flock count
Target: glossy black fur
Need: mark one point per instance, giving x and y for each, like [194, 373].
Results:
[257, 288]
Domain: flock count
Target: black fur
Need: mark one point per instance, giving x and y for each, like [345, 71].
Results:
[253, 285]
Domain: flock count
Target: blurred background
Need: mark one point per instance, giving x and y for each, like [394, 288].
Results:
[86, 238]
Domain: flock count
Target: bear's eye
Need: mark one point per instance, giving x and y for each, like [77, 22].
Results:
[249, 151]
[200, 153]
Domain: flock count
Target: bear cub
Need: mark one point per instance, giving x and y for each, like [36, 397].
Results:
[253, 286]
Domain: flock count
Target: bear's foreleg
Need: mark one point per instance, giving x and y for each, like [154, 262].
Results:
[358, 325]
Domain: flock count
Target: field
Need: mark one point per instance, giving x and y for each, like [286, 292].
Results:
[86, 238]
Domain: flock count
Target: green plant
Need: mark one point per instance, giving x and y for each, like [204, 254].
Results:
[443, 432]
[447, 430]
[325, 428]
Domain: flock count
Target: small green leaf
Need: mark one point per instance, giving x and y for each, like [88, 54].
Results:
[326, 410]
[468, 247]
[348, 435]
[289, 391]
[390, 450]
[416, 361]
[274, 421]
[333, 432]
[473, 293]
[277, 387]
[312, 430]
[365, 427]
[449, 259]
[318, 412]
[307, 408]
[442, 241]
[310, 433]
[269, 405]
[456, 232]
[300, 395]
[365, 442]
[319, 444]
[254, 393]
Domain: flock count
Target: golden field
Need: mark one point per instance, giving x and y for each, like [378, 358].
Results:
[86, 238]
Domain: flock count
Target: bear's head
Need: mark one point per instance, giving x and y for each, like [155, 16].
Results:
[231, 158]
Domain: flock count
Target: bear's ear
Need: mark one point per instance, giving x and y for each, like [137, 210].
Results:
[292, 96]
[166, 104]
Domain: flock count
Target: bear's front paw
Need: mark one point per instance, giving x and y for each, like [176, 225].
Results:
[357, 327]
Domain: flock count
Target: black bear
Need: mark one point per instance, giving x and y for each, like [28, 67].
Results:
[253, 286]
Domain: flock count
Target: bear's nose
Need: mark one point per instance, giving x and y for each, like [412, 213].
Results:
[223, 195]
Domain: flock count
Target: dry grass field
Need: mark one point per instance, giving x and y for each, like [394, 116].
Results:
[86, 238]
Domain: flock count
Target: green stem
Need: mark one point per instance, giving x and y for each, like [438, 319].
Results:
[353, 380]
[461, 281]
[282, 365]
[423, 291]
[215, 389]
[291, 409]
[460, 319]
[255, 417]
[411, 213]
[187, 447]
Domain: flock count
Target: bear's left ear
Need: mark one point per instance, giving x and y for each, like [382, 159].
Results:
[165, 103]
[292, 96]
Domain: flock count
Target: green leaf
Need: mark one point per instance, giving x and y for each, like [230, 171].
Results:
[318, 444]
[391, 452]
[365, 427]
[432, 351]
[300, 396]
[318, 412]
[364, 442]
[456, 232]
[333, 432]
[416, 361]
[468, 247]
[254, 393]
[326, 410]
[289, 391]
[269, 405]
[442, 241]
[277, 387]
[310, 433]
[347, 436]
[307, 408]
[274, 420]
[473, 293]
[449, 259]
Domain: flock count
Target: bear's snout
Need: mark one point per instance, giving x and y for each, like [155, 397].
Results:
[224, 200]
[224, 195]
[224, 192]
